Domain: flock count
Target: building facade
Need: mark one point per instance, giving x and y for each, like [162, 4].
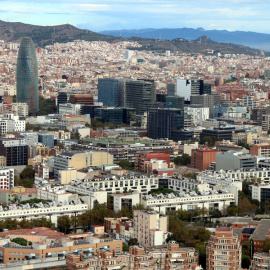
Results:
[223, 251]
[27, 75]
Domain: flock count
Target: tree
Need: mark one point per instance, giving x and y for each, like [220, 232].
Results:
[191, 175]
[232, 210]
[216, 213]
[27, 183]
[21, 241]
[268, 131]
[246, 207]
[60, 145]
[133, 242]
[267, 245]
[46, 106]
[64, 224]
[185, 159]
[27, 172]
[210, 140]
[125, 164]
[245, 262]
[125, 247]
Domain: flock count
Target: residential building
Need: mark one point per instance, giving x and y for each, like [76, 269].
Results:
[232, 160]
[20, 109]
[119, 183]
[17, 195]
[150, 228]
[142, 158]
[257, 114]
[209, 200]
[223, 250]
[56, 194]
[262, 149]
[48, 244]
[6, 178]
[53, 210]
[260, 261]
[125, 201]
[266, 122]
[260, 192]
[171, 257]
[202, 158]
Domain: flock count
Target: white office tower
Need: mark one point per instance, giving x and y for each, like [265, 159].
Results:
[129, 54]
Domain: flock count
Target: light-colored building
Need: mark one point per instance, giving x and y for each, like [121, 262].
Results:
[80, 160]
[266, 122]
[56, 194]
[20, 109]
[150, 228]
[223, 251]
[6, 178]
[121, 201]
[142, 183]
[68, 108]
[210, 200]
[53, 210]
[199, 113]
[232, 160]
[260, 261]
[17, 194]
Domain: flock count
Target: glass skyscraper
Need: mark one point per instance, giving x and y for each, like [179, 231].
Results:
[27, 75]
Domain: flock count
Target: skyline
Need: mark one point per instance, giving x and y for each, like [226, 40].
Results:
[231, 15]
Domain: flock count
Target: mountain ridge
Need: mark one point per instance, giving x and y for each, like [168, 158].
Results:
[247, 38]
[47, 35]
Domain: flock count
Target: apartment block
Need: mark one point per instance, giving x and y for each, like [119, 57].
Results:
[150, 228]
[223, 251]
[202, 158]
[260, 261]
[47, 244]
[172, 257]
[210, 200]
[262, 149]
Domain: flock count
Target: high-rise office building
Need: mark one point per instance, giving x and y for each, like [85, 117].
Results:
[171, 89]
[186, 88]
[206, 101]
[164, 123]
[108, 91]
[27, 75]
[140, 95]
[62, 98]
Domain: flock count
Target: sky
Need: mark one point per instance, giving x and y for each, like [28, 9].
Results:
[98, 15]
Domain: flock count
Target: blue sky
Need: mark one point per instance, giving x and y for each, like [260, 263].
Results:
[245, 15]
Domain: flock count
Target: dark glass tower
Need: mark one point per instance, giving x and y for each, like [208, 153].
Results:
[27, 75]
